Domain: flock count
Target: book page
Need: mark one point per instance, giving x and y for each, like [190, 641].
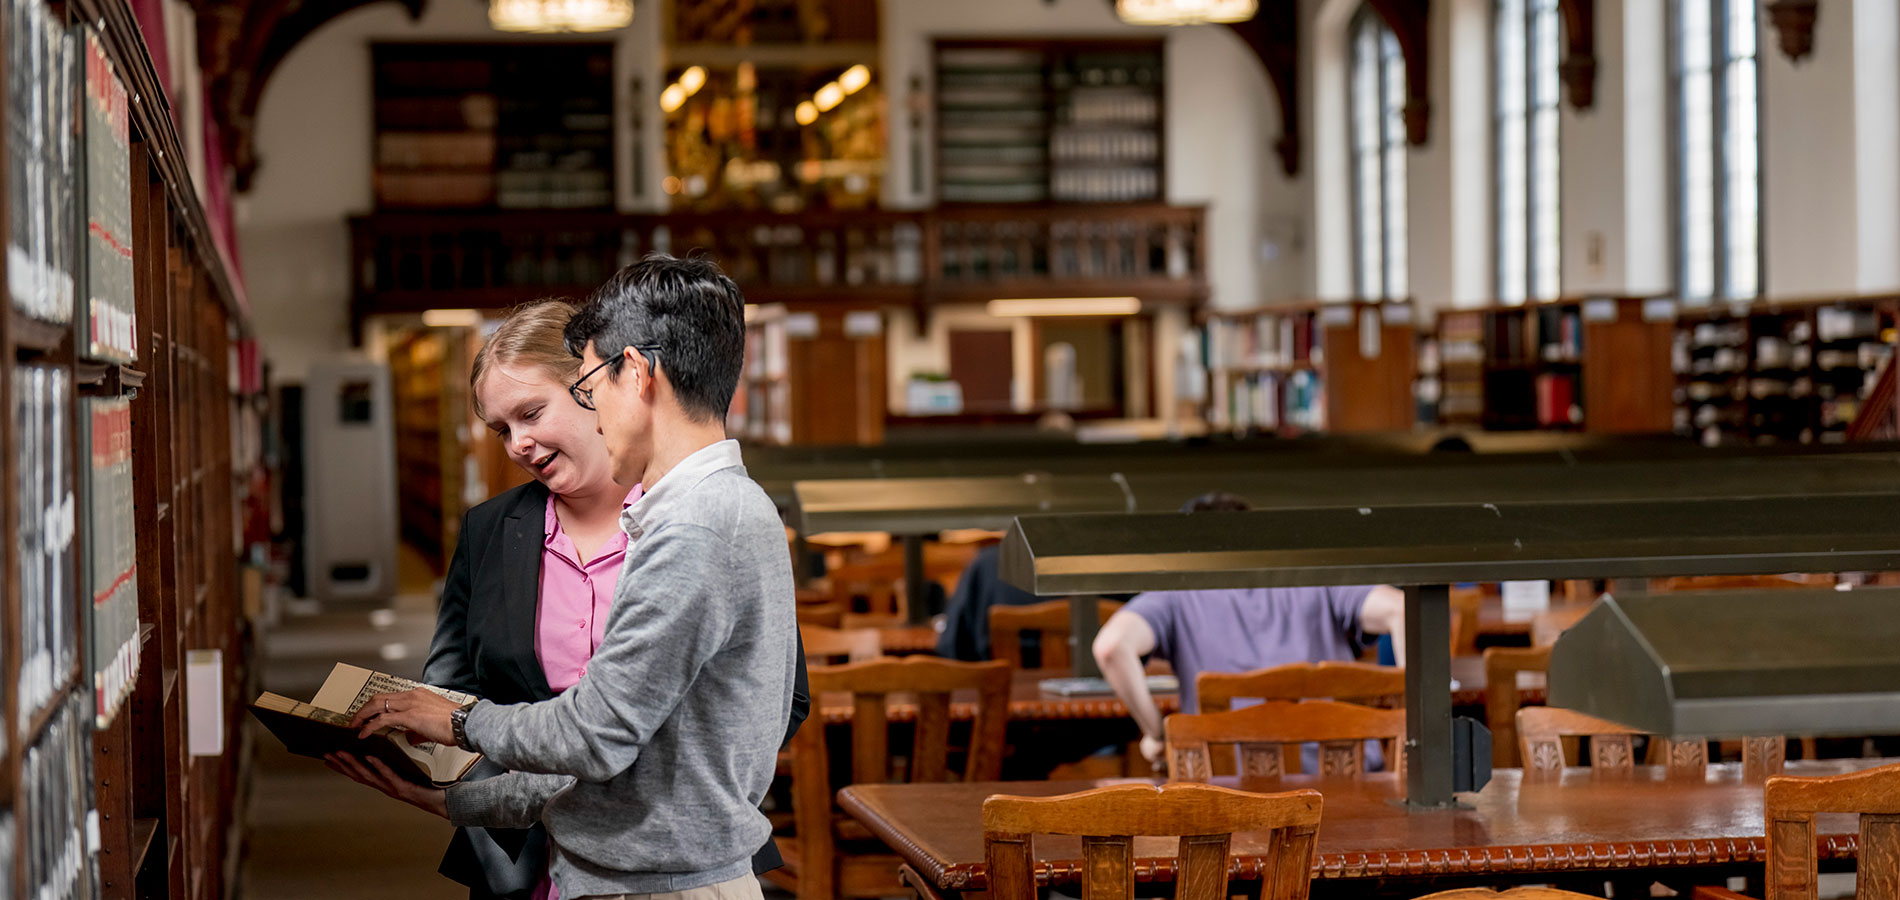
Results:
[349, 687]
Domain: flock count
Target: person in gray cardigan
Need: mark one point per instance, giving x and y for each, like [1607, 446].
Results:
[648, 773]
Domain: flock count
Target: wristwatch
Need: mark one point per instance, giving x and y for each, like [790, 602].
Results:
[458, 725]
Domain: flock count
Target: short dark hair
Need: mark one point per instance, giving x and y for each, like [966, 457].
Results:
[686, 312]
[1216, 501]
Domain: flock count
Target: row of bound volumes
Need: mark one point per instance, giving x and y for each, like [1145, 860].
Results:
[1262, 341]
[110, 319]
[43, 507]
[113, 567]
[1269, 401]
[61, 860]
[42, 242]
[6, 846]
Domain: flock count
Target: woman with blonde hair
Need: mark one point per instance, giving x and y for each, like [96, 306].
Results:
[525, 602]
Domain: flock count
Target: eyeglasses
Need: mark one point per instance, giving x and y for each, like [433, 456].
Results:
[585, 396]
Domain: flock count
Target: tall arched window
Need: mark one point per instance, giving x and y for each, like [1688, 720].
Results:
[1528, 238]
[1718, 154]
[1378, 159]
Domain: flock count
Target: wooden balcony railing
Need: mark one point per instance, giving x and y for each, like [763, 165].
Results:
[407, 262]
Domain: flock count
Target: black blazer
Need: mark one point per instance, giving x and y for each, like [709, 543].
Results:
[486, 647]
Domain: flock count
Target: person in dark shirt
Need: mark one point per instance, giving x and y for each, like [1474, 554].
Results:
[966, 622]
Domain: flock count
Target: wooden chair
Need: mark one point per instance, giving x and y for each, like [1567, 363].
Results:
[1362, 683]
[1466, 602]
[1535, 892]
[1503, 698]
[832, 856]
[1542, 732]
[1108, 819]
[1789, 806]
[828, 645]
[826, 614]
[1051, 619]
[1262, 732]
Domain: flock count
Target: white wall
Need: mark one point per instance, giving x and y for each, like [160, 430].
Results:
[907, 353]
[1328, 156]
[1808, 146]
[1616, 208]
[314, 135]
[1876, 28]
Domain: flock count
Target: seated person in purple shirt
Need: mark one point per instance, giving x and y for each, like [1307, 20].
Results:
[1237, 631]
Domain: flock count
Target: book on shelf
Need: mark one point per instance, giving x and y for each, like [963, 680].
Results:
[43, 510]
[58, 814]
[41, 166]
[111, 322]
[322, 726]
[112, 565]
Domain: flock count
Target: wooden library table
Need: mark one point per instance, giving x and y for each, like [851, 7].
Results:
[1580, 825]
[1029, 702]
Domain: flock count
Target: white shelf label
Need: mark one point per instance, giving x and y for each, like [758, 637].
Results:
[1659, 309]
[1599, 309]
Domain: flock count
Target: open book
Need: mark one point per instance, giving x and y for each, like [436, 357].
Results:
[323, 726]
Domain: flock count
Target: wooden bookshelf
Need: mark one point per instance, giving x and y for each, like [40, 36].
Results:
[155, 353]
[1310, 367]
[1066, 121]
[507, 125]
[428, 370]
[814, 374]
[1781, 371]
[1598, 364]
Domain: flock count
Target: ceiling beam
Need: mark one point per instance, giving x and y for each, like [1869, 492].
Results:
[1410, 23]
[1579, 68]
[1273, 35]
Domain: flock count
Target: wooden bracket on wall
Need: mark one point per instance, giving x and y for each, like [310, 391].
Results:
[1273, 34]
[1410, 23]
[1794, 22]
[1579, 68]
[241, 44]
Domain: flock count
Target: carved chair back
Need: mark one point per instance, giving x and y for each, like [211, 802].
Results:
[840, 645]
[1108, 819]
[1353, 682]
[1261, 734]
[1790, 804]
[1543, 731]
[1533, 892]
[1050, 619]
[926, 682]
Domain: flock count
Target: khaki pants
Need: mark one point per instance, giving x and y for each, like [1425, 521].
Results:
[745, 887]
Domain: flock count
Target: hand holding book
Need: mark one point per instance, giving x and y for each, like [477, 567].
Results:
[377, 774]
[421, 712]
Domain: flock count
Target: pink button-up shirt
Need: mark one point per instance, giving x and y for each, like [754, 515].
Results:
[575, 599]
[572, 616]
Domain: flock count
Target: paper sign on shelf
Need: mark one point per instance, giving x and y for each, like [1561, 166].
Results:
[204, 702]
[1659, 309]
[801, 325]
[1599, 309]
[863, 323]
[1335, 315]
[1526, 596]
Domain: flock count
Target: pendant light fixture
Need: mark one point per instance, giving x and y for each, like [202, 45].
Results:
[549, 16]
[1185, 12]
